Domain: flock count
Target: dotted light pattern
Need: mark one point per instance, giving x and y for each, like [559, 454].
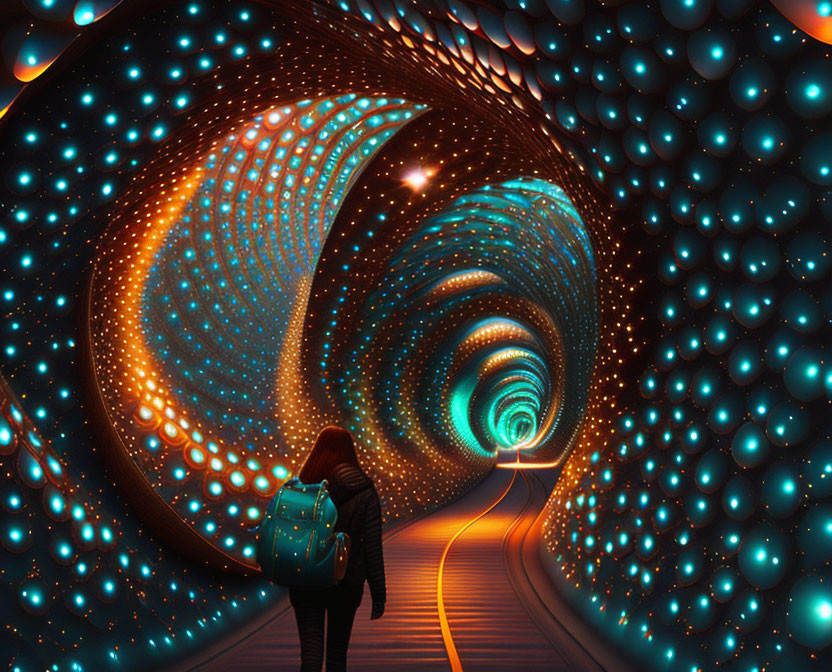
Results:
[67, 563]
[35, 36]
[690, 525]
[85, 585]
[687, 528]
[814, 17]
[203, 309]
[459, 294]
[505, 381]
[104, 167]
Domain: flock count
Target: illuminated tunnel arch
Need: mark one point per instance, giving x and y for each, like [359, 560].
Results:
[220, 341]
[690, 518]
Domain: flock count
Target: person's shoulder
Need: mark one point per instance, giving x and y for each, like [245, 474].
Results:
[349, 478]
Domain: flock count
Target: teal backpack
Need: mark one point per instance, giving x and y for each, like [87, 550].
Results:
[297, 545]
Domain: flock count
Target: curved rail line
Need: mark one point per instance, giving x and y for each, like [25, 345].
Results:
[465, 592]
[450, 647]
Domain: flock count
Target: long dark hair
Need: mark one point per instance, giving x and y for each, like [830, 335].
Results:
[333, 446]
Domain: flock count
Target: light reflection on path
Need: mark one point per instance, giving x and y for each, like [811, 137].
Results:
[490, 627]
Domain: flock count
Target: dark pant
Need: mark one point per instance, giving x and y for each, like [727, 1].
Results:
[337, 607]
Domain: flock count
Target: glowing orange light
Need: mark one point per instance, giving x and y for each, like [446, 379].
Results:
[811, 18]
[417, 178]
[25, 72]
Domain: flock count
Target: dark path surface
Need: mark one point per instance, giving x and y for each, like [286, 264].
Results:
[488, 616]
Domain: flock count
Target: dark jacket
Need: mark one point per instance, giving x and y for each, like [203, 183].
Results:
[359, 515]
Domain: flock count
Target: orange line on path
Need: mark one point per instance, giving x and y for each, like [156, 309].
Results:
[453, 656]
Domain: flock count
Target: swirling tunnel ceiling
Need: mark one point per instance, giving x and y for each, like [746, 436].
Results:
[574, 234]
[221, 344]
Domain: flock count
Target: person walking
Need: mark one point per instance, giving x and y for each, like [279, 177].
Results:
[333, 458]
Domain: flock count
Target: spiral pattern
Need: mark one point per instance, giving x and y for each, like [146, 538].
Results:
[488, 296]
[340, 244]
[224, 226]
[217, 343]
